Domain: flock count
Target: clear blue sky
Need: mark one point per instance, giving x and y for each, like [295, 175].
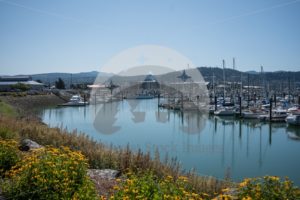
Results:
[38, 36]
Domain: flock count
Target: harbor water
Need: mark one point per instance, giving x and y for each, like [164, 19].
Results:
[211, 145]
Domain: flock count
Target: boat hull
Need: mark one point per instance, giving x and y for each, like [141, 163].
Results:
[293, 120]
[224, 113]
[74, 104]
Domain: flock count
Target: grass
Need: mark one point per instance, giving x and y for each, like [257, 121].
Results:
[7, 110]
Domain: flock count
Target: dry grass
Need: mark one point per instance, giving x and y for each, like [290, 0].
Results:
[23, 103]
[101, 156]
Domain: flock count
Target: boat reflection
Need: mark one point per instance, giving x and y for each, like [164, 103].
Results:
[192, 122]
[293, 133]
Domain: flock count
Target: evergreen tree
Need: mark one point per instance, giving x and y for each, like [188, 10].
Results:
[60, 84]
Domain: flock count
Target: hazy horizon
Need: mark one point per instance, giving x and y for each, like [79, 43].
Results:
[62, 72]
[79, 36]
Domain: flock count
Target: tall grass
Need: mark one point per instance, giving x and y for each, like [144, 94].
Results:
[101, 156]
[7, 110]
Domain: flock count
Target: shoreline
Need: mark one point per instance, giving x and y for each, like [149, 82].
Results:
[101, 156]
[29, 105]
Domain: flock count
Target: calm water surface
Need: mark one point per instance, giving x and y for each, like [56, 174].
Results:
[209, 144]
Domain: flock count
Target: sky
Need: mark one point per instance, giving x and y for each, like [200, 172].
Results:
[41, 36]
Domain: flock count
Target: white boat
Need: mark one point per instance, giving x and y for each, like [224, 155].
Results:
[225, 112]
[252, 114]
[75, 100]
[294, 109]
[277, 116]
[293, 119]
[211, 109]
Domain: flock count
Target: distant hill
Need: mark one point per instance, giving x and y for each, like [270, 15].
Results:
[75, 78]
[232, 75]
[278, 78]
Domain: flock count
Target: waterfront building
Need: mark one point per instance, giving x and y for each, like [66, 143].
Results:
[7, 82]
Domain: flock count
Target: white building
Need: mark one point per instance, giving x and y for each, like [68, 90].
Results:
[7, 82]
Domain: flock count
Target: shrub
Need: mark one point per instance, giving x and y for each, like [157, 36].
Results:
[268, 187]
[20, 86]
[6, 133]
[50, 173]
[8, 155]
[149, 186]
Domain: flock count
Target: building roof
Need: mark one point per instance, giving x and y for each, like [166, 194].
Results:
[15, 78]
[150, 78]
[23, 82]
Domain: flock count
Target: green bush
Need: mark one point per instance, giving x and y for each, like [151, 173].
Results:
[50, 173]
[149, 186]
[20, 86]
[268, 187]
[6, 133]
[9, 155]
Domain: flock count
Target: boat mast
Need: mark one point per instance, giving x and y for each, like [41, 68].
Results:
[241, 92]
[224, 79]
[263, 81]
[213, 84]
[233, 64]
[234, 85]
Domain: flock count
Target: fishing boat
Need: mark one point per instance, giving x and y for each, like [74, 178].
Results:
[293, 119]
[75, 100]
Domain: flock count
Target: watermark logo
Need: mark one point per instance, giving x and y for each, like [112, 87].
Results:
[147, 72]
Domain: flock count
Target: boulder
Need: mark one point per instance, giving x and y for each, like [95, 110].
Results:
[28, 144]
[103, 173]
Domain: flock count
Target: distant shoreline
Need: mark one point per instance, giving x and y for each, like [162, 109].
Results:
[27, 106]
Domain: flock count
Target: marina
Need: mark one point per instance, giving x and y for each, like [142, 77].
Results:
[210, 144]
[215, 128]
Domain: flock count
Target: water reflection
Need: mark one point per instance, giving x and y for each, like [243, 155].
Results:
[106, 118]
[209, 144]
[162, 116]
[293, 132]
[192, 122]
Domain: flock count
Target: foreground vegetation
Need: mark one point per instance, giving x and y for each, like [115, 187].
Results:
[46, 173]
[59, 170]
